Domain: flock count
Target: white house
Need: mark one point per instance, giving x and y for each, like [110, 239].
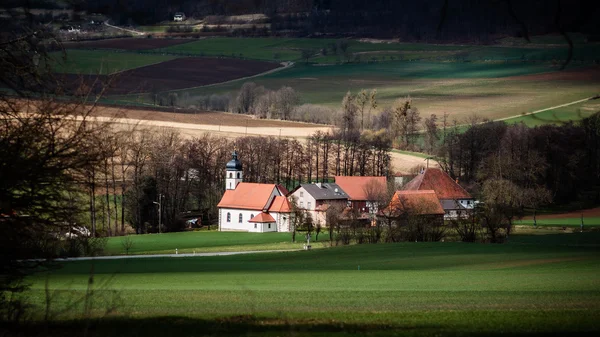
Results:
[179, 16]
[252, 207]
[317, 198]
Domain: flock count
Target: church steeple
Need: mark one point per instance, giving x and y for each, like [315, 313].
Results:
[233, 172]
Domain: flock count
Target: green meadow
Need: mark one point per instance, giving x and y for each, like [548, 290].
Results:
[533, 285]
[495, 81]
[98, 62]
[204, 241]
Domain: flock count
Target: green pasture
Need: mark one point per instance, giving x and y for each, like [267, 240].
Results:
[205, 241]
[532, 285]
[560, 115]
[289, 49]
[461, 89]
[569, 222]
[99, 62]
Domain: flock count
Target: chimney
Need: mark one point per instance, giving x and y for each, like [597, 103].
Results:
[457, 180]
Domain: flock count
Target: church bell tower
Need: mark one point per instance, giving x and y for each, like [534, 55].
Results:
[234, 174]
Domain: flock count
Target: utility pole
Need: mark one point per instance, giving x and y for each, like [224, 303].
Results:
[159, 203]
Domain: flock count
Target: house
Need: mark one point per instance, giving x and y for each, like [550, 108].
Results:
[179, 16]
[455, 200]
[252, 207]
[318, 197]
[363, 192]
[419, 204]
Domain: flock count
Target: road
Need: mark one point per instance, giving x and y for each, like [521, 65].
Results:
[124, 29]
[120, 257]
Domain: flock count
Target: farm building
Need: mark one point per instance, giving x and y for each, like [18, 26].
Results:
[455, 200]
[318, 197]
[252, 207]
[362, 192]
[423, 204]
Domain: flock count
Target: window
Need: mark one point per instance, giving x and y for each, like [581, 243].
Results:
[230, 176]
[302, 204]
[228, 217]
[251, 216]
[269, 225]
[308, 205]
[254, 226]
[238, 175]
[301, 194]
[240, 218]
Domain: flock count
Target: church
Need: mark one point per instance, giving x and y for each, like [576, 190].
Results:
[252, 207]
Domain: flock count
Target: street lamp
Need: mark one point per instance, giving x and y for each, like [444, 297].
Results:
[159, 210]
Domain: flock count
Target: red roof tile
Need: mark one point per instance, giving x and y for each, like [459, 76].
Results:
[284, 191]
[439, 181]
[357, 187]
[415, 202]
[280, 205]
[248, 196]
[262, 218]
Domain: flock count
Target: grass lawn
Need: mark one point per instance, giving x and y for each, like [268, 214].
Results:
[205, 241]
[534, 285]
[100, 62]
[587, 221]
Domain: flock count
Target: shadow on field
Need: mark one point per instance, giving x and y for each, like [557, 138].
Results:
[247, 325]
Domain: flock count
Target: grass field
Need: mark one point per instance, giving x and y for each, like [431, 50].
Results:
[97, 62]
[204, 241]
[569, 222]
[490, 81]
[461, 89]
[534, 285]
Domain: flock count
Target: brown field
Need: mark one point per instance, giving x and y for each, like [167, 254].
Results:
[173, 74]
[229, 125]
[125, 44]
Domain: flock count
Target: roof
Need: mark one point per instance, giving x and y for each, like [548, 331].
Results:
[234, 164]
[358, 187]
[415, 202]
[283, 190]
[262, 218]
[451, 204]
[280, 205]
[325, 191]
[439, 181]
[248, 196]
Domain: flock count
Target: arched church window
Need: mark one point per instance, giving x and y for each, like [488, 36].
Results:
[240, 218]
[238, 175]
[230, 175]
[228, 217]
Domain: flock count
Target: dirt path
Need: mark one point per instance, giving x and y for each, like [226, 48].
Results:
[124, 29]
[546, 109]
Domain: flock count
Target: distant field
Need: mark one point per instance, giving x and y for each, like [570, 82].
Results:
[491, 90]
[534, 285]
[87, 62]
[493, 82]
[140, 43]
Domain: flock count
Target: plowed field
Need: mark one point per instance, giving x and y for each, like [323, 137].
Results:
[175, 74]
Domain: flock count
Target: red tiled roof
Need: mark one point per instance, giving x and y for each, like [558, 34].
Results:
[262, 218]
[284, 191]
[439, 181]
[280, 205]
[356, 187]
[248, 196]
[415, 202]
